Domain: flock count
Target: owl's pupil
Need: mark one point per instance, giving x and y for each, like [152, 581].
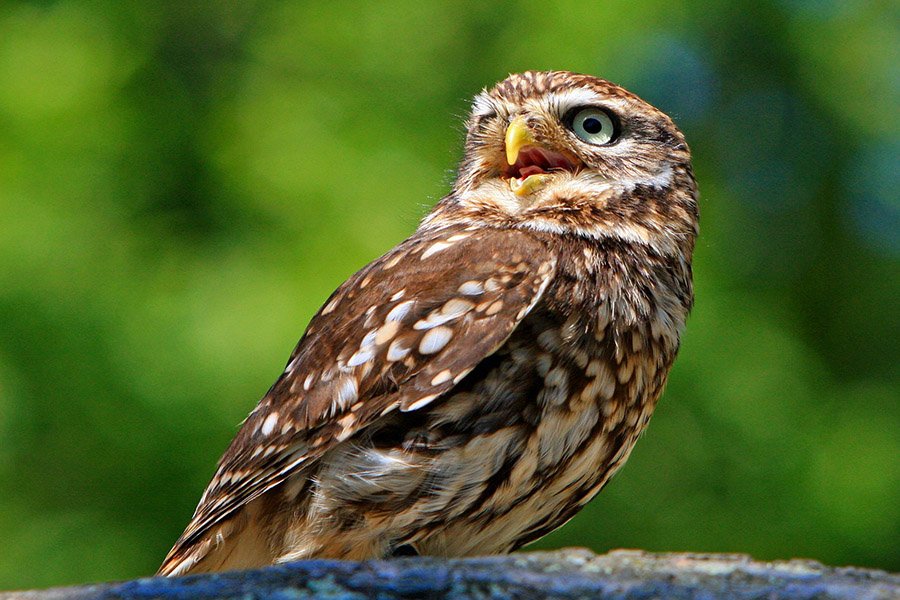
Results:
[592, 125]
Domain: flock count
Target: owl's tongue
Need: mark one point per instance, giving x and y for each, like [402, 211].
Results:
[530, 170]
[535, 160]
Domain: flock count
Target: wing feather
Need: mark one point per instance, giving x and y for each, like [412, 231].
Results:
[398, 334]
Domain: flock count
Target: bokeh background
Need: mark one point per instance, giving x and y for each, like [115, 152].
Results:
[182, 185]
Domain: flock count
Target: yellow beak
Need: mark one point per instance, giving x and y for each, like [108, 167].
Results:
[517, 136]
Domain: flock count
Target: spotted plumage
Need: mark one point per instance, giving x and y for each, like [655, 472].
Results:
[473, 388]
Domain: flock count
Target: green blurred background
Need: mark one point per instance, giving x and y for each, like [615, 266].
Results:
[182, 185]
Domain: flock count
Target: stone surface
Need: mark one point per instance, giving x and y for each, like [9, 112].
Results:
[567, 574]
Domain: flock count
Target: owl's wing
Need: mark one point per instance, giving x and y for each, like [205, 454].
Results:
[396, 336]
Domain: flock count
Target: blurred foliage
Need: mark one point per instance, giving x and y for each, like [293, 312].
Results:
[182, 184]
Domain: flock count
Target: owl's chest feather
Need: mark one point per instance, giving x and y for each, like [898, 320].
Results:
[600, 350]
[555, 412]
[612, 322]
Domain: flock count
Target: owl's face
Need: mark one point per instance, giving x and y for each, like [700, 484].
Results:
[543, 146]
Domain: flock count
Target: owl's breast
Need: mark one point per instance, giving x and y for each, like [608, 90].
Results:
[599, 346]
[545, 422]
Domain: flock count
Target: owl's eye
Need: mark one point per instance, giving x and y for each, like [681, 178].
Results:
[593, 125]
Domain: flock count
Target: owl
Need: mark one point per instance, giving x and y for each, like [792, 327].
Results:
[472, 389]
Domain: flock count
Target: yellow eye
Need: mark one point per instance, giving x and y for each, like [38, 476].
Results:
[593, 125]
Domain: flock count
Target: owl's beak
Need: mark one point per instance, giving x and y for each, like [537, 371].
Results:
[517, 136]
[529, 163]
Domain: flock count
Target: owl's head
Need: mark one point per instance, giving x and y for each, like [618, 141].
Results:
[560, 151]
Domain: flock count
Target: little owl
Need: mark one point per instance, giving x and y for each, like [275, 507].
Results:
[472, 389]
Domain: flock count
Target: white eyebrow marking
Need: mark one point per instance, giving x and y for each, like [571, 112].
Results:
[482, 105]
[568, 99]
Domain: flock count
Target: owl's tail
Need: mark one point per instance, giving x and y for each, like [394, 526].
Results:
[238, 543]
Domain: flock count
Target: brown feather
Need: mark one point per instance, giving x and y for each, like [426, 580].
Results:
[473, 388]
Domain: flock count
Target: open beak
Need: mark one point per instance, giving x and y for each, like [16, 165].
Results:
[529, 163]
